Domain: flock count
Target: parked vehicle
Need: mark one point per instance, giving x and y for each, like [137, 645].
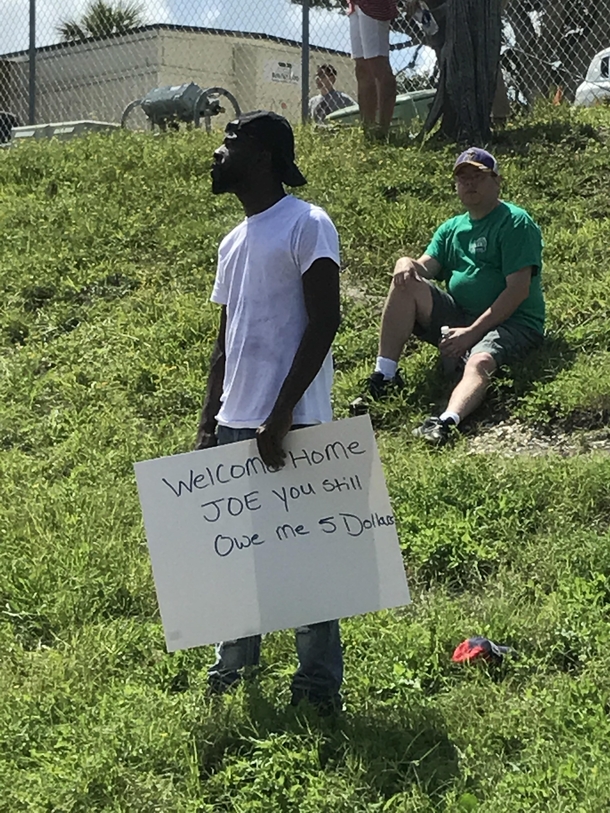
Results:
[596, 87]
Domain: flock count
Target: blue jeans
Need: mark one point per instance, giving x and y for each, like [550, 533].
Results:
[320, 671]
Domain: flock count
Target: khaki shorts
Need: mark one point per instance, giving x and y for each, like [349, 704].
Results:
[506, 343]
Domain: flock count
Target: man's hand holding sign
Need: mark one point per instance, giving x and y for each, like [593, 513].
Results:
[239, 548]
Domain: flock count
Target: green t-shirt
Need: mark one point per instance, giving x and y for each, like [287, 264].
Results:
[476, 256]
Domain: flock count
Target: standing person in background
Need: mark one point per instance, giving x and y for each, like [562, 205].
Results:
[370, 37]
[329, 99]
[277, 284]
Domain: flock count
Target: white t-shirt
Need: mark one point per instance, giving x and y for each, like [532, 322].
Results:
[260, 265]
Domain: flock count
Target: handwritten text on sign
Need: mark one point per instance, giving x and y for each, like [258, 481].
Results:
[238, 549]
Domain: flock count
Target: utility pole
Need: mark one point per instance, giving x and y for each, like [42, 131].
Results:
[32, 63]
[305, 63]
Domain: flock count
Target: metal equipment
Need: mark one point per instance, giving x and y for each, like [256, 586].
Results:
[168, 107]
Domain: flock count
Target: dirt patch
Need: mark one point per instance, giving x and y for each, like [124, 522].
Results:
[510, 438]
[360, 297]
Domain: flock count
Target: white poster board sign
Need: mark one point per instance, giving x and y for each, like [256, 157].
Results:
[237, 549]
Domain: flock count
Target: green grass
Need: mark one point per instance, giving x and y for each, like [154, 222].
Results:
[107, 257]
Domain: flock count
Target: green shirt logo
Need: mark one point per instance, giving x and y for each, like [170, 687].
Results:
[478, 246]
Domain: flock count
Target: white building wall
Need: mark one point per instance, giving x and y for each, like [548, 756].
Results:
[98, 79]
[94, 79]
[262, 74]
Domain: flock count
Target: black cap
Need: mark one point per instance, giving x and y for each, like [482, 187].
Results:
[271, 132]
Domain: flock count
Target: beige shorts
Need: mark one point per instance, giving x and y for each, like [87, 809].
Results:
[370, 38]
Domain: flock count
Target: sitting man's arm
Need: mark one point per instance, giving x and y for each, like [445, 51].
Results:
[461, 339]
[426, 267]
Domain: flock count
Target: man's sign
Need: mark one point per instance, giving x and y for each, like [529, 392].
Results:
[237, 549]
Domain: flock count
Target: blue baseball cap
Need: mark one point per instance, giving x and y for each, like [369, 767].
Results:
[479, 158]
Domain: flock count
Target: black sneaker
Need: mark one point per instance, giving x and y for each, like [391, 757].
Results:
[324, 706]
[435, 432]
[218, 685]
[378, 388]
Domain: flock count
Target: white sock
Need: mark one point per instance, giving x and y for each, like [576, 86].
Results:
[450, 416]
[386, 366]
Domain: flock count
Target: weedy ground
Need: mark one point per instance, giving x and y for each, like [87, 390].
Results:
[107, 257]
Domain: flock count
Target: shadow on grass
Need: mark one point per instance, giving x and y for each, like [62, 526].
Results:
[520, 135]
[544, 364]
[389, 751]
[518, 139]
[406, 748]
[516, 381]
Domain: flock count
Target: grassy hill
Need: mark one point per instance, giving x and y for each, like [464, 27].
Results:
[107, 257]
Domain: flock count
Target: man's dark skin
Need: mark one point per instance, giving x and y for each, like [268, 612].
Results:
[242, 167]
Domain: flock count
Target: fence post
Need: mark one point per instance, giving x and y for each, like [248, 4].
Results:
[305, 63]
[32, 64]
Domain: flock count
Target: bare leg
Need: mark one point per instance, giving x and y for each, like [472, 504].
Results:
[386, 90]
[367, 92]
[407, 303]
[470, 391]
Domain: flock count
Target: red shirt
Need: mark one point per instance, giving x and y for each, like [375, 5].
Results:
[377, 9]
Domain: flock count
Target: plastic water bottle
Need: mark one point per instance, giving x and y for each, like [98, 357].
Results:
[424, 17]
[451, 366]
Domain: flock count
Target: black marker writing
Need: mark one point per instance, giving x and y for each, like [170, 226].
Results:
[220, 474]
[293, 493]
[342, 484]
[224, 545]
[332, 451]
[284, 531]
[354, 525]
[233, 506]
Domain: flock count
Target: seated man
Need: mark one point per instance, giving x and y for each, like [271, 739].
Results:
[329, 99]
[493, 310]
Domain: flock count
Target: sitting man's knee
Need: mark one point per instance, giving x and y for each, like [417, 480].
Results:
[482, 363]
[404, 287]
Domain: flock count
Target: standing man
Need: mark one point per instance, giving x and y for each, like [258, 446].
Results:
[271, 370]
[329, 99]
[493, 310]
[370, 36]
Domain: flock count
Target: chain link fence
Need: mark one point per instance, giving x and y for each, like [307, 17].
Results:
[88, 59]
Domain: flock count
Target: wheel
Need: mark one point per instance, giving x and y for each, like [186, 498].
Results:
[134, 118]
[215, 105]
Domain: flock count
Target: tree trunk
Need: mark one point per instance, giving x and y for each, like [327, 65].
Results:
[469, 62]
